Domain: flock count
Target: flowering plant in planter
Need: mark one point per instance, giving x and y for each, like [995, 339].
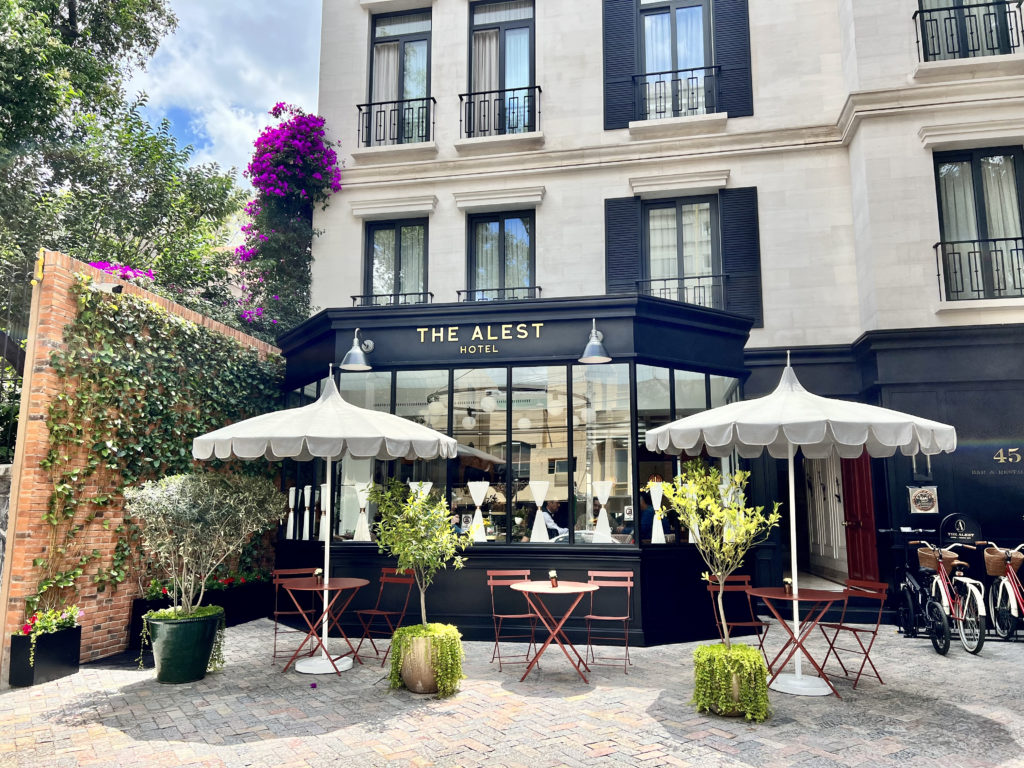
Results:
[45, 622]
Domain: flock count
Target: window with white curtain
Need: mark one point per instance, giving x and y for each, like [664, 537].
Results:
[676, 49]
[400, 79]
[396, 261]
[501, 256]
[683, 255]
[960, 29]
[979, 193]
[501, 98]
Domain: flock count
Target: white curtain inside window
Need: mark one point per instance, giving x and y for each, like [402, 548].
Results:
[952, 29]
[664, 263]
[384, 120]
[1002, 211]
[517, 253]
[482, 117]
[690, 54]
[486, 254]
[956, 189]
[512, 10]
[383, 264]
[698, 256]
[413, 260]
[657, 58]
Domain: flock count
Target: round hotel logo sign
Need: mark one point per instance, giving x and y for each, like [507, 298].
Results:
[924, 500]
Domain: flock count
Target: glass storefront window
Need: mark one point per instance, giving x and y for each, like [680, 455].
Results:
[602, 449]
[367, 389]
[539, 450]
[654, 408]
[724, 389]
[423, 397]
[691, 395]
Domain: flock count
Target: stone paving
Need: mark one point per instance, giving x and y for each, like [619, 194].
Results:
[957, 710]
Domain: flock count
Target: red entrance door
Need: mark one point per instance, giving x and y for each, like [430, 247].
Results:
[859, 513]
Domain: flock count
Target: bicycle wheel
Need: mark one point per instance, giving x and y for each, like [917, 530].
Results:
[1003, 621]
[938, 627]
[905, 616]
[971, 625]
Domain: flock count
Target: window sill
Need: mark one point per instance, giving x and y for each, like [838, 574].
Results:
[395, 153]
[670, 127]
[509, 142]
[970, 69]
[979, 305]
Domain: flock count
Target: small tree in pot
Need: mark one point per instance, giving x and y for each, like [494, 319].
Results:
[190, 525]
[416, 529]
[729, 679]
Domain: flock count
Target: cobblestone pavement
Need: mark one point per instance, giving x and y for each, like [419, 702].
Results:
[954, 710]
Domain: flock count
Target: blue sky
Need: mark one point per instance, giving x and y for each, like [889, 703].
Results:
[225, 66]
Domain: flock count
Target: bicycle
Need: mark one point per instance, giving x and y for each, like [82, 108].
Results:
[917, 612]
[961, 598]
[1005, 594]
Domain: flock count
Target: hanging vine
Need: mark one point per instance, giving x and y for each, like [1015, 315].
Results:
[137, 384]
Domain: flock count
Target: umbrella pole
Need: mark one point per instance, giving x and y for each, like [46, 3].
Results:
[792, 551]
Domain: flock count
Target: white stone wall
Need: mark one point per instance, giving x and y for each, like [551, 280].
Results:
[840, 148]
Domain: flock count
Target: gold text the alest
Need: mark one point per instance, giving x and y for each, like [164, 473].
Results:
[489, 332]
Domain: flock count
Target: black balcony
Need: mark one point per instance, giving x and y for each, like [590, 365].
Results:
[703, 290]
[968, 31]
[500, 294]
[391, 299]
[981, 269]
[677, 93]
[387, 123]
[499, 113]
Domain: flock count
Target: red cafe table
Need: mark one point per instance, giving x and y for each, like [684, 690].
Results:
[820, 601]
[535, 593]
[339, 587]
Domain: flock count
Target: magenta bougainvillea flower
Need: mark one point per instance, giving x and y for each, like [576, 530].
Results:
[122, 270]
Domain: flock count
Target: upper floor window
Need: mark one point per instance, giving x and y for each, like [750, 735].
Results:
[676, 53]
[683, 255]
[980, 194]
[396, 262]
[502, 96]
[400, 107]
[960, 29]
[501, 256]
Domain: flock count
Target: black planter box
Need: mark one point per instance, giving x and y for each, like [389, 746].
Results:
[241, 603]
[57, 656]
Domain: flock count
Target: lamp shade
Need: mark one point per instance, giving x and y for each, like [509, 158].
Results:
[355, 358]
[595, 352]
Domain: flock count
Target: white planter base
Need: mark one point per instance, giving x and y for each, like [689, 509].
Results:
[801, 685]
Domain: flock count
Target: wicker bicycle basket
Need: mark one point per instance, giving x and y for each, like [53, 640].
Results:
[995, 561]
[926, 559]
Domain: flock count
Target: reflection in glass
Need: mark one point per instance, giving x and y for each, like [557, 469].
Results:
[422, 396]
[691, 395]
[724, 389]
[601, 445]
[539, 449]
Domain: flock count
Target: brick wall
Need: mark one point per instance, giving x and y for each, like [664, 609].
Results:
[106, 613]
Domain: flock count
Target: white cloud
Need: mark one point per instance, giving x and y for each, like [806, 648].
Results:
[226, 65]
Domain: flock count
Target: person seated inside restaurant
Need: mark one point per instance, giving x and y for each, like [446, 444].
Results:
[585, 522]
[550, 514]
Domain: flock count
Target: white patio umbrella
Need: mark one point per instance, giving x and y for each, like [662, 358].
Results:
[330, 429]
[791, 418]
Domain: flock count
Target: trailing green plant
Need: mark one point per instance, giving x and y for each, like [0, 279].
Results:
[713, 507]
[216, 656]
[139, 383]
[416, 529]
[446, 654]
[715, 666]
[47, 622]
[192, 523]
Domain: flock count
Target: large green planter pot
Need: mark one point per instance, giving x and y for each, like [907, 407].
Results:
[182, 647]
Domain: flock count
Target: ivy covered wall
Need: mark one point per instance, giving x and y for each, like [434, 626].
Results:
[117, 385]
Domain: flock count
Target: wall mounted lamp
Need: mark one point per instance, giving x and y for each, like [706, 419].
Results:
[355, 359]
[595, 352]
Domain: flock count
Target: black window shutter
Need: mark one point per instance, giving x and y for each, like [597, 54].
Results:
[619, 39]
[622, 244]
[741, 252]
[731, 21]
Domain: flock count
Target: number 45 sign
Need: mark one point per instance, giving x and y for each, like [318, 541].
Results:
[1007, 456]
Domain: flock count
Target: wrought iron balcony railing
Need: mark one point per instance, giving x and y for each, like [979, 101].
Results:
[702, 290]
[386, 123]
[391, 299]
[968, 30]
[499, 113]
[981, 269]
[676, 93]
[500, 294]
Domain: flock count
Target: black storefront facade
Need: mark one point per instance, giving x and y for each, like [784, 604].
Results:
[503, 378]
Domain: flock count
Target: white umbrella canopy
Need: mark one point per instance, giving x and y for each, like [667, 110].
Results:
[330, 429]
[791, 418]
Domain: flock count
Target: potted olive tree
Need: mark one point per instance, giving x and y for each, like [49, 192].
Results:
[730, 679]
[416, 529]
[190, 525]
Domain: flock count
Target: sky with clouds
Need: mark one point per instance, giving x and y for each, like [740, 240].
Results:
[216, 76]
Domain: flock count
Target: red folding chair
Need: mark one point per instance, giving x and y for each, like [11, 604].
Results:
[505, 579]
[278, 576]
[392, 587]
[610, 580]
[861, 590]
[738, 583]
